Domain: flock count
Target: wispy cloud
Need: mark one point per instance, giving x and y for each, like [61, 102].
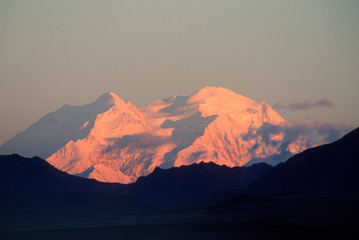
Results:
[324, 102]
[316, 133]
[136, 141]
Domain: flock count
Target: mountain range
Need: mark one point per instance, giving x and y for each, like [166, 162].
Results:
[114, 141]
[326, 169]
[330, 168]
[35, 176]
[31, 176]
[314, 195]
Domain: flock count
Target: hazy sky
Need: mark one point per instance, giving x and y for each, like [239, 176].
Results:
[289, 53]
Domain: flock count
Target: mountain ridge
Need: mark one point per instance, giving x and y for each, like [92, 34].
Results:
[210, 125]
[29, 176]
[173, 197]
[198, 179]
[36, 177]
[61, 126]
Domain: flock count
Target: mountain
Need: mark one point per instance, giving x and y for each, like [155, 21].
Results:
[118, 142]
[32, 184]
[330, 168]
[195, 180]
[54, 130]
[36, 177]
[37, 201]
[32, 176]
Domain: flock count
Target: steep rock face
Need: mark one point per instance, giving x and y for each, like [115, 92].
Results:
[122, 142]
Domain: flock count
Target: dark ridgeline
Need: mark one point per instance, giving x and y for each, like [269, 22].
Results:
[32, 183]
[26, 182]
[314, 195]
[195, 180]
[328, 169]
[27, 176]
[35, 176]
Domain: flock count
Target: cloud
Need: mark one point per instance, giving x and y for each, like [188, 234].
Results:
[316, 133]
[279, 106]
[324, 102]
[136, 141]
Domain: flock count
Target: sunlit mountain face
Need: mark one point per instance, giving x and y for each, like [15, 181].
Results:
[114, 141]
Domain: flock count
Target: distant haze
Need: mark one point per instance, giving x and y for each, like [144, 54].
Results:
[301, 56]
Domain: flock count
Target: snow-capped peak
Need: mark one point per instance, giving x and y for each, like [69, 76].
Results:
[216, 100]
[208, 92]
[111, 98]
[113, 140]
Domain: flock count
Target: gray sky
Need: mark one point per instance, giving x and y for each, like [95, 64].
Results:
[281, 52]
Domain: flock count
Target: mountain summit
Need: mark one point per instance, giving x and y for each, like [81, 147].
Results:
[114, 141]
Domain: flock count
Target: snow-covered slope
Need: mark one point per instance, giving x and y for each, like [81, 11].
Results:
[55, 129]
[126, 142]
[122, 142]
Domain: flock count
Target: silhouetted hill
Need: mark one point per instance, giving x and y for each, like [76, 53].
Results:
[195, 180]
[19, 175]
[330, 168]
[34, 176]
